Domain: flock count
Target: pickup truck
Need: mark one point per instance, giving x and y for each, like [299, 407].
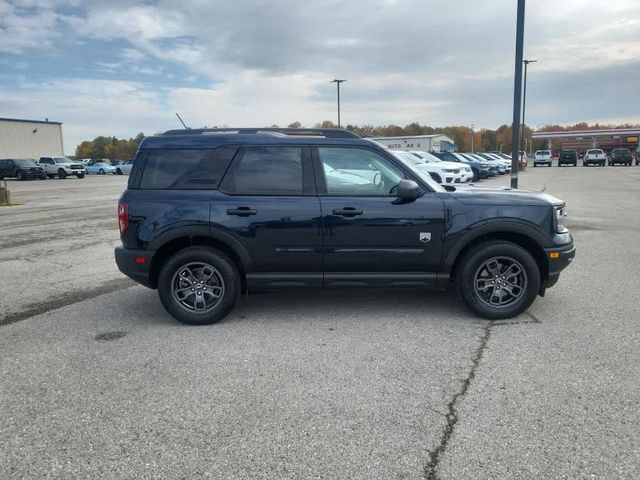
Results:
[542, 157]
[61, 167]
[595, 156]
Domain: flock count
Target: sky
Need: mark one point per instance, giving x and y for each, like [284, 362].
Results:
[123, 67]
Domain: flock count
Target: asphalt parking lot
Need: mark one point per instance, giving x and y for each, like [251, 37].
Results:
[97, 381]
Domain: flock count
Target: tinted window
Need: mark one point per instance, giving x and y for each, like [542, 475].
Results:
[186, 169]
[266, 171]
[357, 171]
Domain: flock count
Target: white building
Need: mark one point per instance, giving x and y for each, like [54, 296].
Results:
[30, 138]
[425, 143]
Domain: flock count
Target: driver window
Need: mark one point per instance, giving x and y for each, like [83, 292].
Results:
[358, 171]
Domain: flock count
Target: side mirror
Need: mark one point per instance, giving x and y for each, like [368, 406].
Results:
[408, 190]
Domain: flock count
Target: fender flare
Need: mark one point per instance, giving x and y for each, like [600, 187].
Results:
[493, 227]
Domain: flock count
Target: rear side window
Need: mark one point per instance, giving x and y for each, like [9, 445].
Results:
[186, 169]
[266, 171]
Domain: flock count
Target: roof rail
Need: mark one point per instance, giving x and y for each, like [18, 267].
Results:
[315, 132]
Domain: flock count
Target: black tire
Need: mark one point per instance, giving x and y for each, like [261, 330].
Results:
[62, 174]
[80, 175]
[118, 171]
[471, 264]
[20, 176]
[575, 164]
[226, 273]
[50, 176]
[101, 172]
[43, 177]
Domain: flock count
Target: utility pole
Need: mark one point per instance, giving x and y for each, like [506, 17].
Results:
[524, 100]
[517, 95]
[338, 82]
[472, 135]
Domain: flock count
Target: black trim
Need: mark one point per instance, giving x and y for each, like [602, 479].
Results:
[125, 259]
[368, 279]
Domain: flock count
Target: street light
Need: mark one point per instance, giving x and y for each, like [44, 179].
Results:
[524, 99]
[338, 82]
[517, 94]
[472, 135]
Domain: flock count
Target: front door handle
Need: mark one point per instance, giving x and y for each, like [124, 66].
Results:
[242, 211]
[347, 211]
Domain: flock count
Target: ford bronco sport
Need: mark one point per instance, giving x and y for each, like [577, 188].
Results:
[210, 213]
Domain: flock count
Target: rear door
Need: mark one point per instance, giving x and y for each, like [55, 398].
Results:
[369, 236]
[268, 202]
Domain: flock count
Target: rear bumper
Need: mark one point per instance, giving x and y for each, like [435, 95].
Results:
[565, 255]
[129, 263]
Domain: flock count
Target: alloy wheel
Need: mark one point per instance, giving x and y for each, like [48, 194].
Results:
[500, 282]
[197, 287]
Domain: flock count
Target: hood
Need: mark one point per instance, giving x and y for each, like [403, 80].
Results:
[473, 195]
[452, 165]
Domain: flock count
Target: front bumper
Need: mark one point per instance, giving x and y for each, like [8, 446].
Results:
[558, 259]
[128, 262]
[75, 171]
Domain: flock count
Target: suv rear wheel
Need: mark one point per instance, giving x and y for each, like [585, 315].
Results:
[498, 279]
[199, 285]
[62, 174]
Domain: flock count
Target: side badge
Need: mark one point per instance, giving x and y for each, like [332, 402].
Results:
[425, 237]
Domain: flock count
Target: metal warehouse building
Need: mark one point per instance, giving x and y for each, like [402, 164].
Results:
[30, 138]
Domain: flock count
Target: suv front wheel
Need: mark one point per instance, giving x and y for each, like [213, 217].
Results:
[498, 279]
[199, 285]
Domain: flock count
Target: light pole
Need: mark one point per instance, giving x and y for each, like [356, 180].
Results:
[472, 135]
[338, 82]
[524, 98]
[517, 95]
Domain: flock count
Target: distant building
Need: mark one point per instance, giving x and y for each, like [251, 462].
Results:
[426, 143]
[582, 140]
[30, 138]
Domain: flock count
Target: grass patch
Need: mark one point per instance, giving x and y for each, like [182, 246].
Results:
[9, 204]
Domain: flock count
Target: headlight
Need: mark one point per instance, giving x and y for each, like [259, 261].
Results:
[560, 219]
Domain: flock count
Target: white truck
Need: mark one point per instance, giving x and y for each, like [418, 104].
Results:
[61, 167]
[542, 157]
[594, 156]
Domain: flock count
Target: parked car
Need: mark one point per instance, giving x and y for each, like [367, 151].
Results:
[479, 169]
[465, 172]
[568, 157]
[621, 155]
[124, 167]
[207, 216]
[100, 167]
[500, 168]
[542, 157]
[439, 173]
[594, 156]
[61, 167]
[21, 168]
[492, 157]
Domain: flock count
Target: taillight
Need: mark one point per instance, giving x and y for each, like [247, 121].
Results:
[123, 217]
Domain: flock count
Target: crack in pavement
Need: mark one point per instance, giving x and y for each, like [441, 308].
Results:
[431, 469]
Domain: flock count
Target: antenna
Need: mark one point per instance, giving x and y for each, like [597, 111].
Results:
[183, 124]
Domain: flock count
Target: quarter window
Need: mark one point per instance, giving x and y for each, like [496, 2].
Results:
[358, 171]
[266, 171]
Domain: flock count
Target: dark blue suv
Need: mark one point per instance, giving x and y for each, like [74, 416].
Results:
[211, 213]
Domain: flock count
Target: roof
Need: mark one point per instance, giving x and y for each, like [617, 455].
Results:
[411, 136]
[28, 121]
[207, 138]
[609, 132]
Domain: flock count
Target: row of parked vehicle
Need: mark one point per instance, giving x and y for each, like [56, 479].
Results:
[594, 156]
[455, 167]
[61, 167]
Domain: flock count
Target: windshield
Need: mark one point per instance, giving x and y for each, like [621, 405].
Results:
[25, 163]
[424, 176]
[62, 160]
[410, 157]
[543, 152]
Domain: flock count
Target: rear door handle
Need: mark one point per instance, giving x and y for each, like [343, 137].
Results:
[242, 211]
[347, 211]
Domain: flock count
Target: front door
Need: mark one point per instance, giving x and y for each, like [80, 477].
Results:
[268, 202]
[367, 231]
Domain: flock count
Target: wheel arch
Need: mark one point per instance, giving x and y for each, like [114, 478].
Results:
[230, 247]
[527, 238]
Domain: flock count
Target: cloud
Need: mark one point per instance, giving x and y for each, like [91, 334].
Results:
[258, 63]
